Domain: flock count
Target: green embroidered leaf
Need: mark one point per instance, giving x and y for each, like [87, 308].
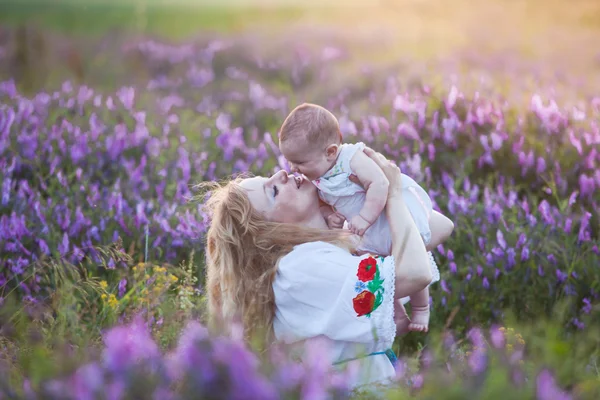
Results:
[374, 285]
[370, 286]
[378, 300]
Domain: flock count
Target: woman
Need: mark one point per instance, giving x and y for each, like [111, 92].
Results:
[272, 262]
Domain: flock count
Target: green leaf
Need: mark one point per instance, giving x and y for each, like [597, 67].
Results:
[378, 300]
[374, 285]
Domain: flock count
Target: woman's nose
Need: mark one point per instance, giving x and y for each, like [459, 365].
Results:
[279, 177]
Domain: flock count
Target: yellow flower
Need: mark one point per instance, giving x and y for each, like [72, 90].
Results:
[521, 341]
[173, 278]
[103, 284]
[509, 347]
[103, 297]
[159, 270]
[112, 301]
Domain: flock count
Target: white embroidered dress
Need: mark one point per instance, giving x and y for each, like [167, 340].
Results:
[348, 198]
[323, 292]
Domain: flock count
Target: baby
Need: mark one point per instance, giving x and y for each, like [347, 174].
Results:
[311, 141]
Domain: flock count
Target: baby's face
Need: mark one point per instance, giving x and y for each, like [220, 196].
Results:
[310, 161]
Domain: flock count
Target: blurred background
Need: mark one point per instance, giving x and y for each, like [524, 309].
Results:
[46, 41]
[136, 101]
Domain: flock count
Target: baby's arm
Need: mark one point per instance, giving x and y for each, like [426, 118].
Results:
[376, 185]
[441, 228]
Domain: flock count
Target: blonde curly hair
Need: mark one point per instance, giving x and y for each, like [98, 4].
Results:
[243, 252]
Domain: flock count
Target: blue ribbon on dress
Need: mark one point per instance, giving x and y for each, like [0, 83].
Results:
[389, 353]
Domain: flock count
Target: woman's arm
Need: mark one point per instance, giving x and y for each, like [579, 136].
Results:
[441, 228]
[412, 264]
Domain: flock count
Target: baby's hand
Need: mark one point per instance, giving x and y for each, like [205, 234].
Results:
[358, 225]
[335, 220]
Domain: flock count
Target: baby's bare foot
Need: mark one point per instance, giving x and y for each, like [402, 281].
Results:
[420, 319]
[401, 319]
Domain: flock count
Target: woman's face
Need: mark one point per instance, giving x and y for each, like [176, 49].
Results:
[282, 197]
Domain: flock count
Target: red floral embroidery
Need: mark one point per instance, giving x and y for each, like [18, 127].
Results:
[367, 269]
[369, 287]
[364, 303]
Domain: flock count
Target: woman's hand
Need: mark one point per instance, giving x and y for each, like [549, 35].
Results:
[392, 171]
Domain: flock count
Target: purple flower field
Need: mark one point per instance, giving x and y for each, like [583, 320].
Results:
[83, 168]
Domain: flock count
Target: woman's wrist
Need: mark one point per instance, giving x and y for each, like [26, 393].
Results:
[395, 187]
[395, 195]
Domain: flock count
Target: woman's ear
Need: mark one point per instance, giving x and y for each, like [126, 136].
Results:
[332, 151]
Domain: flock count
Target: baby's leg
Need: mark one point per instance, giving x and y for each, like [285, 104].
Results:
[401, 318]
[420, 311]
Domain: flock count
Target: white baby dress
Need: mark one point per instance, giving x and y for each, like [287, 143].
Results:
[348, 198]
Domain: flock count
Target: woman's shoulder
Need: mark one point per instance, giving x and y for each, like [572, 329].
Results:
[312, 263]
[312, 250]
[311, 254]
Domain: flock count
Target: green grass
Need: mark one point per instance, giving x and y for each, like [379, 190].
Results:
[178, 21]
[532, 38]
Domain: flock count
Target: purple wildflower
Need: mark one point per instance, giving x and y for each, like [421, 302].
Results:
[500, 239]
[587, 308]
[580, 325]
[63, 247]
[497, 337]
[122, 287]
[547, 389]
[561, 276]
[486, 283]
[129, 345]
[452, 267]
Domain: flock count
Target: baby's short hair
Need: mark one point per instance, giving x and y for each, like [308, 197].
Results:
[313, 123]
